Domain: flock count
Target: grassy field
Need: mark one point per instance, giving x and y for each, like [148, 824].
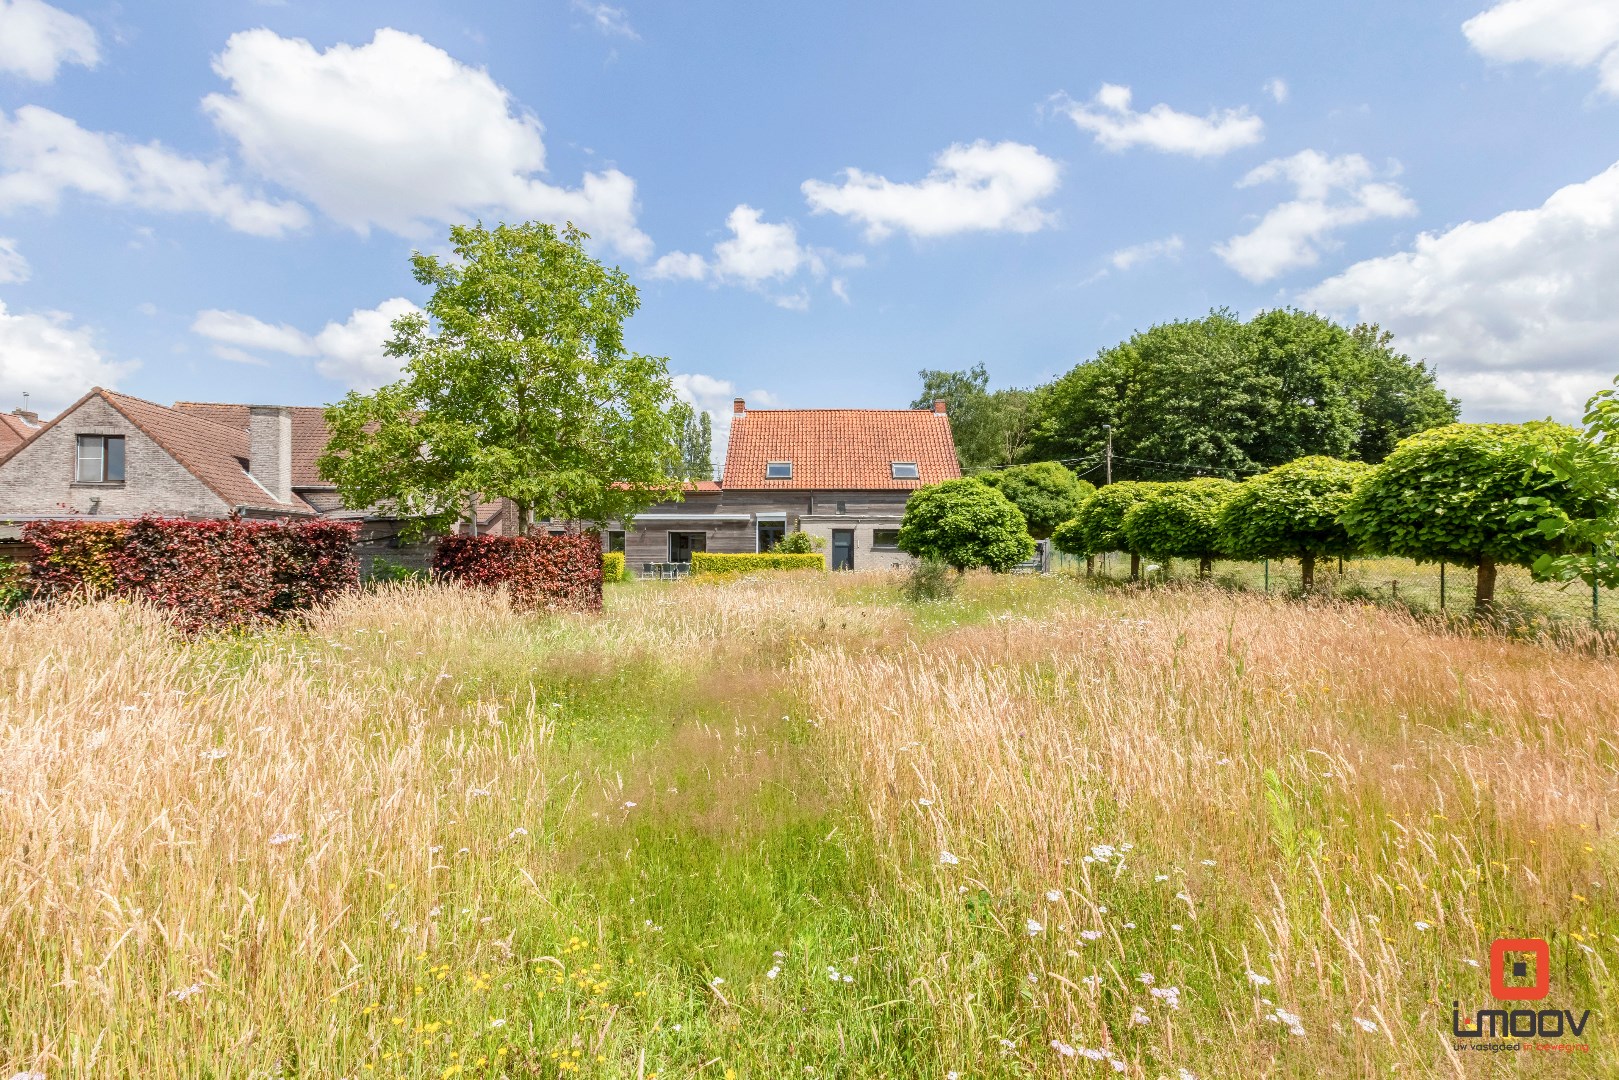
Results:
[796, 826]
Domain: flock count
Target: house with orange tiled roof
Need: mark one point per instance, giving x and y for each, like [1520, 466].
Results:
[15, 429]
[113, 456]
[840, 474]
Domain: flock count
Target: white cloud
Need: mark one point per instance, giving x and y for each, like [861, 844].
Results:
[1333, 193]
[400, 135]
[1519, 312]
[36, 39]
[1116, 126]
[1559, 33]
[13, 267]
[978, 187]
[349, 352]
[44, 154]
[52, 361]
[714, 396]
[237, 332]
[1169, 247]
[1277, 89]
[757, 254]
[612, 21]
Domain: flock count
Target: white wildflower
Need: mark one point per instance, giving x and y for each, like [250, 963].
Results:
[948, 859]
[924, 802]
[1368, 1026]
[1469, 961]
[477, 793]
[515, 833]
[499, 1023]
[1420, 925]
[1092, 981]
[1208, 862]
[1032, 977]
[1139, 1016]
[629, 805]
[1145, 978]
[282, 838]
[1187, 1074]
[186, 991]
[848, 978]
[1103, 852]
[1257, 979]
[1062, 1048]
[214, 755]
[1129, 926]
[1091, 935]
[716, 981]
[1032, 927]
[1160, 877]
[1177, 927]
[1169, 995]
[1054, 895]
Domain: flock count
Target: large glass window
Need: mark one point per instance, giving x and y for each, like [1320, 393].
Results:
[885, 538]
[100, 459]
[615, 539]
[771, 533]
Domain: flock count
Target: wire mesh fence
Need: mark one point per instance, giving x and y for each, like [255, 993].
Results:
[1422, 587]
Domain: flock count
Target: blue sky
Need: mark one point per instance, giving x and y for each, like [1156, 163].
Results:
[217, 200]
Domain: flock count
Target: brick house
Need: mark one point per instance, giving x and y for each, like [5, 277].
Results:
[841, 474]
[112, 456]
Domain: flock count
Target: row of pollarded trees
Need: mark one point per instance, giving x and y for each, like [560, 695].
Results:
[1464, 493]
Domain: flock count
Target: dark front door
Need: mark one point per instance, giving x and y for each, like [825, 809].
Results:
[843, 549]
[681, 545]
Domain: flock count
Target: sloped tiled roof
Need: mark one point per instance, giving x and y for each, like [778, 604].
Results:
[309, 434]
[210, 451]
[839, 449]
[14, 431]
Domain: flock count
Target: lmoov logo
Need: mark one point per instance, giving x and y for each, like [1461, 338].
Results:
[1521, 972]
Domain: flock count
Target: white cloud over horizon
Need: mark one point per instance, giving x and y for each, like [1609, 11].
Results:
[1109, 117]
[52, 360]
[1519, 312]
[44, 155]
[976, 187]
[399, 135]
[1554, 33]
[349, 352]
[36, 39]
[1331, 194]
[1170, 247]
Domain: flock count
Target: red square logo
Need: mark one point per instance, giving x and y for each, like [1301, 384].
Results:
[1499, 967]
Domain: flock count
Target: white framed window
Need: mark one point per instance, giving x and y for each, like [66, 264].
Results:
[100, 459]
[778, 470]
[903, 470]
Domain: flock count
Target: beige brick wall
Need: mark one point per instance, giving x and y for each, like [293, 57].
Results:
[39, 478]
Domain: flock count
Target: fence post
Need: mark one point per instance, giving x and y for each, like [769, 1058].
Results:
[1441, 586]
[1267, 575]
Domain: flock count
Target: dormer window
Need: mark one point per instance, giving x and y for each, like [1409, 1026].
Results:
[904, 470]
[778, 470]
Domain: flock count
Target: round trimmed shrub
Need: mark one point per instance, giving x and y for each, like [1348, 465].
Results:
[1452, 494]
[1098, 526]
[1291, 512]
[964, 523]
[1180, 520]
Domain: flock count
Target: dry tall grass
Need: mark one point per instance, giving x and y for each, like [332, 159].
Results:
[231, 857]
[1331, 797]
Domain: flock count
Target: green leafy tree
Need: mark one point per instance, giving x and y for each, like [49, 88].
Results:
[1098, 525]
[516, 385]
[1047, 493]
[1237, 397]
[1454, 494]
[696, 434]
[990, 428]
[1588, 532]
[1291, 512]
[963, 523]
[1180, 521]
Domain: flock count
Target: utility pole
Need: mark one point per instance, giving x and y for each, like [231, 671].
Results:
[1107, 456]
